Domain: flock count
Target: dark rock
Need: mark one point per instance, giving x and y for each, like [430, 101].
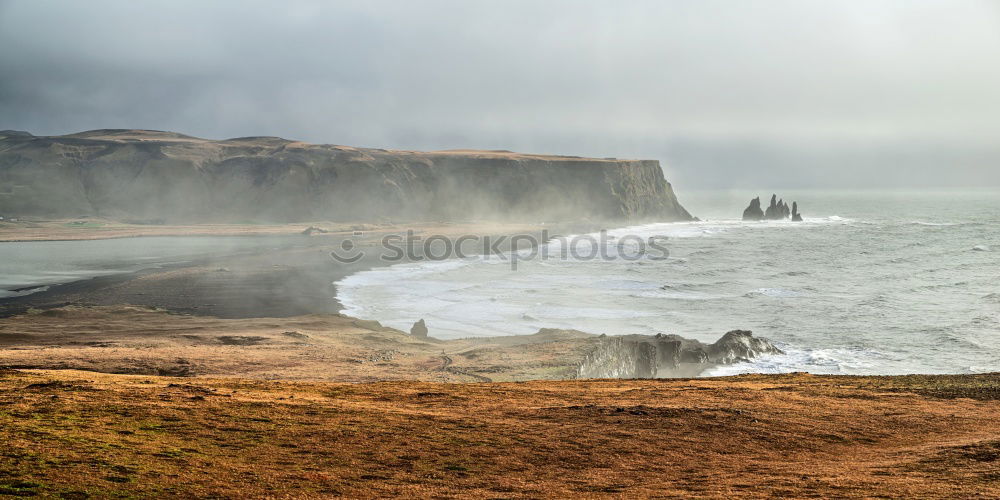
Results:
[796, 216]
[419, 329]
[739, 345]
[367, 324]
[313, 229]
[776, 210]
[753, 212]
[15, 133]
[660, 356]
[619, 357]
[694, 356]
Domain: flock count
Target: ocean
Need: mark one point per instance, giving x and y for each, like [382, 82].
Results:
[869, 283]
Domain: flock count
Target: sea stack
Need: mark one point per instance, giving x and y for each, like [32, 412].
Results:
[753, 212]
[419, 329]
[776, 210]
[796, 216]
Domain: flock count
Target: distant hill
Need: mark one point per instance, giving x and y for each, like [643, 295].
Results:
[145, 174]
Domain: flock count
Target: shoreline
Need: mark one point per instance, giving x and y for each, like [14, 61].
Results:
[294, 281]
[95, 228]
[276, 309]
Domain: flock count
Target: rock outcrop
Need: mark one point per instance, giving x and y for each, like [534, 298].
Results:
[753, 212]
[663, 356]
[313, 229]
[147, 175]
[620, 357]
[796, 216]
[776, 210]
[419, 329]
[738, 346]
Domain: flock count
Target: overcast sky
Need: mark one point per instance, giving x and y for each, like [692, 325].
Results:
[761, 93]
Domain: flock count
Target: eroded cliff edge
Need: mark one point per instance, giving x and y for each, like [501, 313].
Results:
[149, 175]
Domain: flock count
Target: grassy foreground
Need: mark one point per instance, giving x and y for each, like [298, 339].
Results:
[73, 434]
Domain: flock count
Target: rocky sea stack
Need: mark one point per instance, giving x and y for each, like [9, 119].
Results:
[777, 210]
[753, 212]
[419, 329]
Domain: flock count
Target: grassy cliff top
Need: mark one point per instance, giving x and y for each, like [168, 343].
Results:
[74, 434]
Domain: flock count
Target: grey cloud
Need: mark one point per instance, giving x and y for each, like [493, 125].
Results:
[726, 93]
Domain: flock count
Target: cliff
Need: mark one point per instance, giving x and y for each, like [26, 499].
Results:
[149, 175]
[665, 356]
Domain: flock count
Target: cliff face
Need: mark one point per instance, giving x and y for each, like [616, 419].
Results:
[664, 356]
[166, 176]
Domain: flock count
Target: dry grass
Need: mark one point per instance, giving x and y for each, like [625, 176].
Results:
[79, 434]
[142, 340]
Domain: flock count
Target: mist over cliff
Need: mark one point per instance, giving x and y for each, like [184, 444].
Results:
[151, 175]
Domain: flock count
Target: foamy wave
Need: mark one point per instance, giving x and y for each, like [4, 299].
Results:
[853, 361]
[772, 292]
[702, 229]
[383, 277]
[627, 285]
[980, 369]
[678, 295]
[673, 229]
[380, 275]
[935, 224]
[553, 312]
[4, 294]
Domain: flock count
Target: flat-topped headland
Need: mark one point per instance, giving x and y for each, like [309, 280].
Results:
[166, 177]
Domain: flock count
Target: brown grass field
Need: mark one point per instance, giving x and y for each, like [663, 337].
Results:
[73, 434]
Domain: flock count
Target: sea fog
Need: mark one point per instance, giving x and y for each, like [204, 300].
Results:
[28, 267]
[870, 283]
